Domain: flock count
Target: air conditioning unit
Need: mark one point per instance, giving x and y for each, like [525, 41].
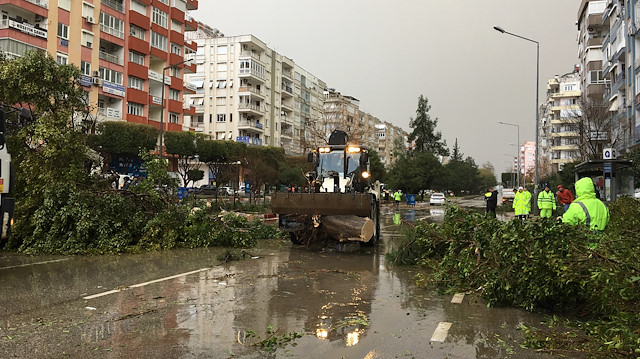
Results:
[96, 73]
[97, 81]
[90, 19]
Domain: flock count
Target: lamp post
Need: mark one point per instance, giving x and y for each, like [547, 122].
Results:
[164, 79]
[518, 127]
[535, 183]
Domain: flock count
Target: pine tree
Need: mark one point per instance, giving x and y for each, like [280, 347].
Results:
[424, 133]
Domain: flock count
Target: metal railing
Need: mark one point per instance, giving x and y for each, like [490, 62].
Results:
[110, 112]
[288, 89]
[111, 58]
[250, 89]
[42, 3]
[112, 31]
[250, 106]
[114, 4]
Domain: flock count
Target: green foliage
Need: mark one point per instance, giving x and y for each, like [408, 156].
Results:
[183, 146]
[292, 170]
[415, 173]
[378, 172]
[541, 264]
[634, 155]
[123, 140]
[424, 133]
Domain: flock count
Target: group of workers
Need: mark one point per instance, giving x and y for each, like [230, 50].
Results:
[585, 209]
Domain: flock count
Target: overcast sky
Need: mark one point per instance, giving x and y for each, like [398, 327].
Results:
[388, 53]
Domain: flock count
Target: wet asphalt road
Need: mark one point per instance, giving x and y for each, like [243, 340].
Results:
[343, 304]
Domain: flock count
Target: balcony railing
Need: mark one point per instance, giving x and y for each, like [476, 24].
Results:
[112, 31]
[114, 4]
[251, 72]
[250, 54]
[250, 89]
[287, 74]
[111, 58]
[288, 89]
[42, 3]
[253, 124]
[250, 106]
[24, 27]
[110, 112]
[249, 140]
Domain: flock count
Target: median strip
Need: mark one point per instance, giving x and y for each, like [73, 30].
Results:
[145, 283]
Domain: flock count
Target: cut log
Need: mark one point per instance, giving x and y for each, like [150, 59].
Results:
[348, 227]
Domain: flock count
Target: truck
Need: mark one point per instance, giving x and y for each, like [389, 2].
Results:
[508, 195]
[7, 180]
[340, 202]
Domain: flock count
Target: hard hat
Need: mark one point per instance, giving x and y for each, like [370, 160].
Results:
[520, 187]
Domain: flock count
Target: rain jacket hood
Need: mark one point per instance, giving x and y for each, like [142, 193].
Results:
[585, 189]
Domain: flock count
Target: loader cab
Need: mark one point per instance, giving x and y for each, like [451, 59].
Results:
[342, 168]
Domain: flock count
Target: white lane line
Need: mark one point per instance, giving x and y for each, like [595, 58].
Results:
[145, 283]
[37, 263]
[441, 332]
[457, 298]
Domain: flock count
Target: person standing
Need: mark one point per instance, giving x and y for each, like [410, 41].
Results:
[520, 204]
[491, 197]
[587, 209]
[397, 197]
[565, 197]
[546, 202]
[527, 200]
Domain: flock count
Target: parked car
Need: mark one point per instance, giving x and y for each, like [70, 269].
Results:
[207, 189]
[226, 191]
[437, 198]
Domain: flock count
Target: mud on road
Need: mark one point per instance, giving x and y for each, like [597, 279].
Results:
[299, 302]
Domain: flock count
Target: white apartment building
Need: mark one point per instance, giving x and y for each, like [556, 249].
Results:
[591, 32]
[560, 135]
[247, 92]
[387, 135]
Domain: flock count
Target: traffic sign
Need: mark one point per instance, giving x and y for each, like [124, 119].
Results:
[607, 167]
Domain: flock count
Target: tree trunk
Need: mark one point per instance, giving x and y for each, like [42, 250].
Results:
[348, 227]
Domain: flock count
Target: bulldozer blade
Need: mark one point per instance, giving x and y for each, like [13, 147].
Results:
[326, 204]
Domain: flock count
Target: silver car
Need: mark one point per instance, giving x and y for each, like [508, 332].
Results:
[437, 198]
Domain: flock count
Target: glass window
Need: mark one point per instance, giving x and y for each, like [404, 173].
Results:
[64, 4]
[87, 39]
[222, 67]
[138, 7]
[62, 59]
[158, 41]
[221, 117]
[63, 31]
[134, 108]
[136, 57]
[176, 49]
[222, 50]
[174, 117]
[174, 94]
[85, 68]
[160, 17]
[137, 32]
[136, 83]
[111, 75]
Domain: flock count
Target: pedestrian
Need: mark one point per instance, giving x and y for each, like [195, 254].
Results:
[386, 196]
[546, 202]
[520, 204]
[527, 200]
[397, 197]
[587, 209]
[565, 197]
[491, 197]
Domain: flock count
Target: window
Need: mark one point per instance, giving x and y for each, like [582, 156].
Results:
[87, 9]
[221, 117]
[136, 83]
[158, 41]
[174, 117]
[230, 83]
[221, 100]
[134, 108]
[222, 67]
[111, 75]
[137, 32]
[166, 2]
[174, 95]
[64, 4]
[200, 50]
[221, 84]
[62, 59]
[595, 77]
[138, 7]
[63, 31]
[136, 57]
[222, 50]
[87, 39]
[160, 17]
[176, 26]
[176, 49]
[111, 25]
[85, 68]
[174, 71]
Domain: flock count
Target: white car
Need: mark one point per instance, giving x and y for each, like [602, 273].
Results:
[437, 198]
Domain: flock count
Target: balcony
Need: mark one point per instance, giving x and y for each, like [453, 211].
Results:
[156, 76]
[41, 3]
[24, 28]
[190, 86]
[248, 124]
[248, 89]
[287, 132]
[250, 107]
[114, 4]
[287, 74]
[111, 113]
[112, 31]
[287, 90]
[252, 73]
[252, 54]
[249, 140]
[111, 58]
[155, 101]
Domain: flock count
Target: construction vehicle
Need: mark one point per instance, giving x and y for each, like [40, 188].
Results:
[6, 181]
[340, 203]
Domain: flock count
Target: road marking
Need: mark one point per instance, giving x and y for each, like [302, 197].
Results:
[457, 298]
[441, 332]
[37, 263]
[145, 283]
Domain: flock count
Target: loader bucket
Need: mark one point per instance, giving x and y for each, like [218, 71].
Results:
[326, 204]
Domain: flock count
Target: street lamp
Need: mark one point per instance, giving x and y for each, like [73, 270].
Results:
[518, 126]
[535, 188]
[164, 79]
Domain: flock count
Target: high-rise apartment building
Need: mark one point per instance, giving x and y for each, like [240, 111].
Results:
[591, 33]
[247, 92]
[527, 155]
[389, 136]
[122, 48]
[560, 119]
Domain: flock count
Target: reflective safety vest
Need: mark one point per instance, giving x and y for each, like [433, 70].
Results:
[397, 196]
[521, 203]
[546, 200]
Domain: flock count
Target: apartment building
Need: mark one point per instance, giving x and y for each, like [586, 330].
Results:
[560, 119]
[388, 136]
[527, 155]
[122, 48]
[591, 33]
[247, 92]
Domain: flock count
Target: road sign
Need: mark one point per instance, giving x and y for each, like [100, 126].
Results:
[607, 167]
[608, 153]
